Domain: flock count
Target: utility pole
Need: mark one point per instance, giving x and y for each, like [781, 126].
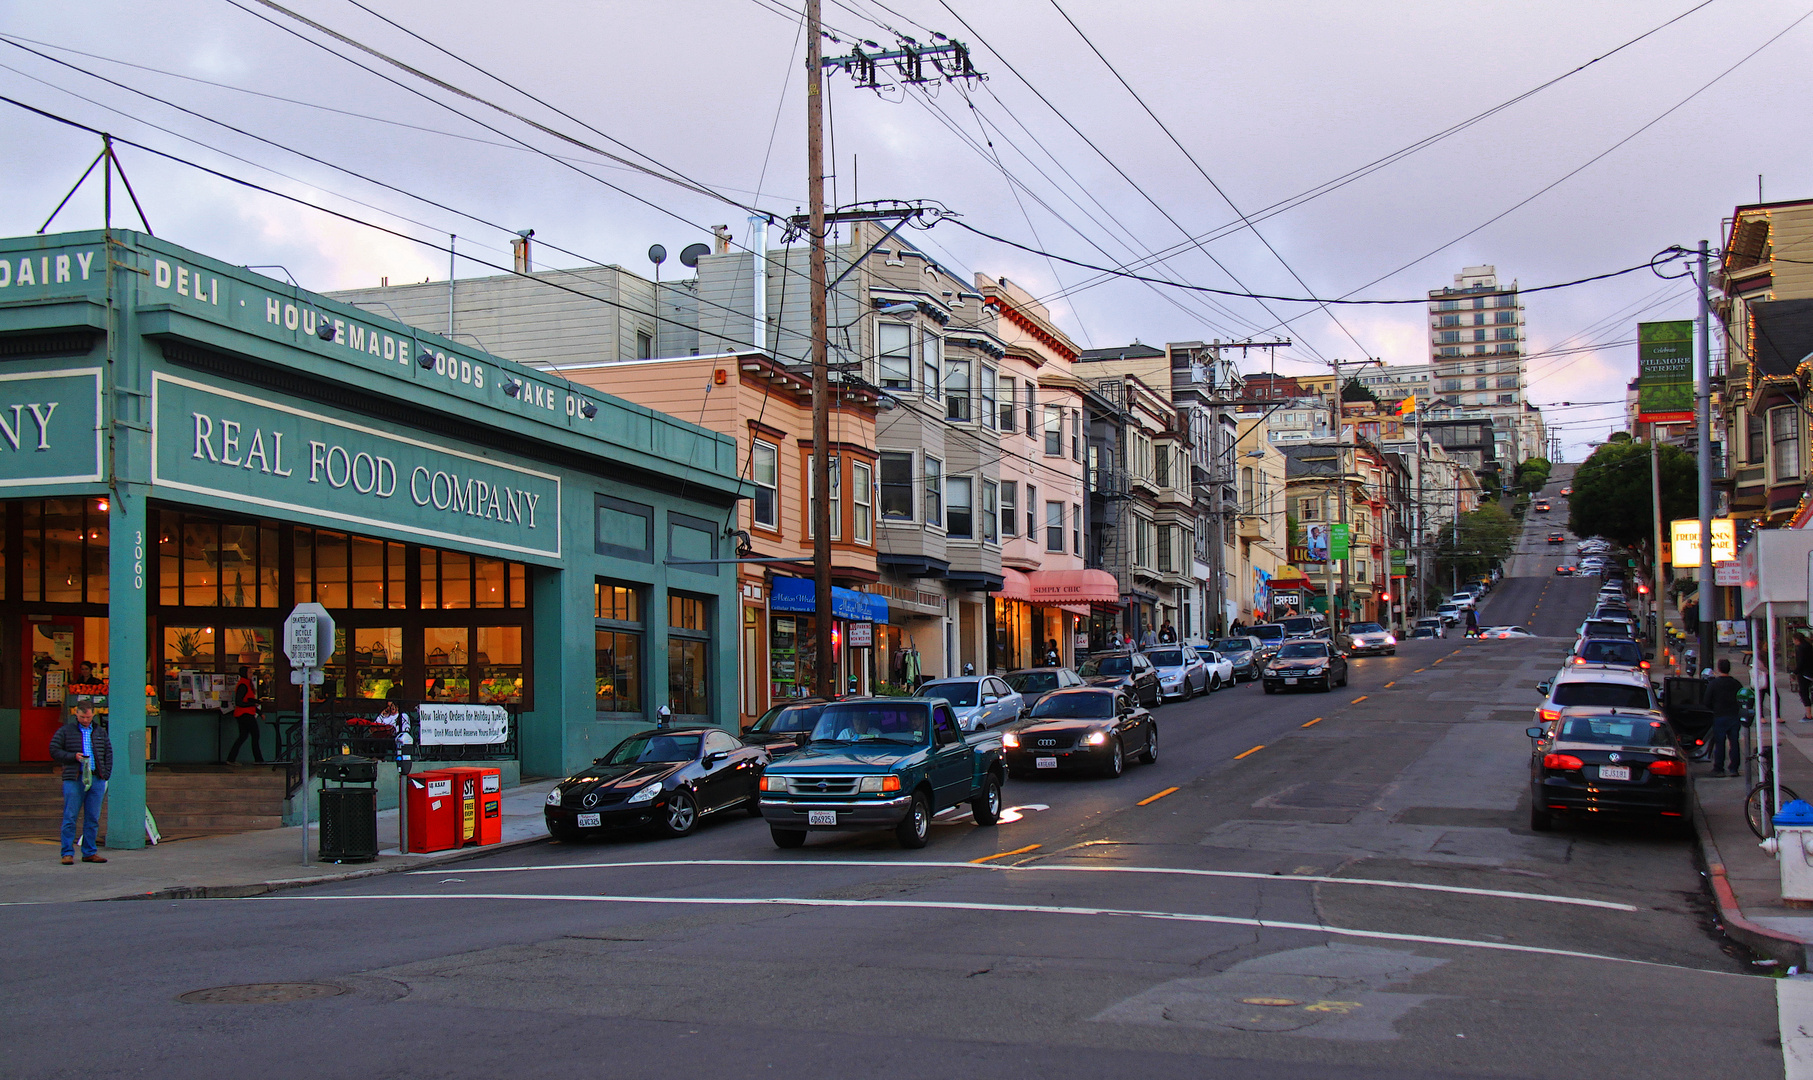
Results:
[1655, 504]
[1702, 377]
[821, 336]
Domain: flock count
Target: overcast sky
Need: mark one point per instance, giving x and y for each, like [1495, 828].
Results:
[1271, 100]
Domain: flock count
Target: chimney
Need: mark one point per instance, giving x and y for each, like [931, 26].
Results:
[722, 232]
[519, 252]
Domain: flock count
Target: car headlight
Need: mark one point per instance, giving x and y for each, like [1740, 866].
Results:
[1312, 671]
[554, 797]
[873, 785]
[1391, 639]
[1095, 738]
[1010, 740]
[647, 793]
[771, 782]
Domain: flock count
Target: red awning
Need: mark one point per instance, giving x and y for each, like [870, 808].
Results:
[1014, 586]
[1060, 588]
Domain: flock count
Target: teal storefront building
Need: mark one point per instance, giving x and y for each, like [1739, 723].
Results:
[188, 449]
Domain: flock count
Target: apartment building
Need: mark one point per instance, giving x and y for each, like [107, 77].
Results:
[1478, 356]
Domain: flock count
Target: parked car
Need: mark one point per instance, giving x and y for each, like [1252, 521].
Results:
[883, 763]
[1367, 637]
[1035, 682]
[665, 778]
[1243, 654]
[1541, 507]
[1221, 669]
[1607, 628]
[1129, 670]
[1304, 626]
[1564, 570]
[783, 728]
[1449, 614]
[1181, 672]
[1430, 626]
[1306, 664]
[1090, 730]
[1271, 637]
[1596, 686]
[1463, 600]
[1614, 652]
[1599, 762]
[1504, 633]
[980, 701]
[1557, 538]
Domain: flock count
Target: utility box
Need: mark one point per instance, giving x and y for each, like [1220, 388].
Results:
[1794, 850]
[480, 814]
[433, 811]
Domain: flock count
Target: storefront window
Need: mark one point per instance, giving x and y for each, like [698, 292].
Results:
[498, 660]
[791, 672]
[254, 648]
[456, 581]
[331, 572]
[367, 572]
[64, 571]
[445, 652]
[237, 560]
[378, 659]
[619, 648]
[64, 543]
[490, 586]
[191, 668]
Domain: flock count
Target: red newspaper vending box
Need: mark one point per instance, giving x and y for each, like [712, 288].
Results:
[433, 825]
[465, 810]
[490, 806]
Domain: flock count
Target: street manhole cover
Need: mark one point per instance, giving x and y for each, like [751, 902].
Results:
[260, 993]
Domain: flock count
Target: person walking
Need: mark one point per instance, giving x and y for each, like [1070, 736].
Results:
[1727, 720]
[1803, 671]
[1167, 634]
[1472, 623]
[245, 713]
[87, 758]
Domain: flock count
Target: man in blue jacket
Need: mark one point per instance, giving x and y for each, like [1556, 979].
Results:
[87, 757]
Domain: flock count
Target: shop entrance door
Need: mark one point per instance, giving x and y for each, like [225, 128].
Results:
[51, 648]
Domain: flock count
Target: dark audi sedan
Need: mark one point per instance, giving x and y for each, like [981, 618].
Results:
[1306, 663]
[665, 778]
[1087, 729]
[1601, 762]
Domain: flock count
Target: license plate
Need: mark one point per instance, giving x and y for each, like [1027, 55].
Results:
[1614, 772]
[1290, 682]
[1045, 763]
[590, 821]
[821, 817]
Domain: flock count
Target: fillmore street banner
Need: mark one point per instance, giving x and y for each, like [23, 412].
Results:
[462, 725]
[1665, 372]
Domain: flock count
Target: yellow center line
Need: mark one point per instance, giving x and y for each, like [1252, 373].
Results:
[1254, 750]
[1419, 671]
[1439, 661]
[1357, 700]
[1005, 854]
[1155, 798]
[1317, 720]
[1391, 684]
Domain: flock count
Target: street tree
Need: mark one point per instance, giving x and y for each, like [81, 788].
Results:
[1355, 390]
[1612, 492]
[1470, 547]
[1533, 474]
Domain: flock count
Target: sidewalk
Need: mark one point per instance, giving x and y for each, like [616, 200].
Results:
[1746, 880]
[239, 864]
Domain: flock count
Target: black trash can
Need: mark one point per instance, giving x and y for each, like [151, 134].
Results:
[349, 811]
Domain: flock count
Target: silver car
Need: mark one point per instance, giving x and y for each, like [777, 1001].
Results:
[1181, 671]
[980, 701]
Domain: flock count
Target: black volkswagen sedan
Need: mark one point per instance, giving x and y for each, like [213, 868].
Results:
[1598, 762]
[1124, 670]
[786, 727]
[1085, 729]
[1306, 663]
[664, 778]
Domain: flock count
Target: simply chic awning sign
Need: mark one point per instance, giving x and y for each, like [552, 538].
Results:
[266, 454]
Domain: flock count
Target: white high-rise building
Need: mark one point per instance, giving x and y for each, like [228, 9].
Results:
[1477, 351]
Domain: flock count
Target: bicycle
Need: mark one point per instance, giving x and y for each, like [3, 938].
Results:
[1759, 804]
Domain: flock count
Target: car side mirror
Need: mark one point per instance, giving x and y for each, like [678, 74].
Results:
[714, 757]
[990, 699]
[1543, 687]
[1534, 732]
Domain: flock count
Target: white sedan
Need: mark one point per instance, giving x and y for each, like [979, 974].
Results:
[1500, 633]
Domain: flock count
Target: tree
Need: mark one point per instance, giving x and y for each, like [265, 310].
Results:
[1612, 492]
[1470, 547]
[1355, 390]
[1533, 474]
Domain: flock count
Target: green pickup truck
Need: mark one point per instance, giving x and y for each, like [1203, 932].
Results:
[883, 763]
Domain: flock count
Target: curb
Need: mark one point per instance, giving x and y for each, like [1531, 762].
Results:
[1784, 949]
[261, 888]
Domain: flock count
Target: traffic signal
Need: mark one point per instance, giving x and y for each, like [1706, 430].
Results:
[1642, 590]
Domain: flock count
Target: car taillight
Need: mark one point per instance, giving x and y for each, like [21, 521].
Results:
[1579, 659]
[1668, 767]
[1563, 762]
[1550, 714]
[1644, 664]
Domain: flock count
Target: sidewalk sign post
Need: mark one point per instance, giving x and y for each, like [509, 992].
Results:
[308, 642]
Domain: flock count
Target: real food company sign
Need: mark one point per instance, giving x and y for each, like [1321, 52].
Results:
[50, 427]
[233, 446]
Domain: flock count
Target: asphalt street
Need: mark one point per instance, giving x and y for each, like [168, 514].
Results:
[1304, 885]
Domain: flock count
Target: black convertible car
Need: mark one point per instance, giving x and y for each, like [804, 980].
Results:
[667, 778]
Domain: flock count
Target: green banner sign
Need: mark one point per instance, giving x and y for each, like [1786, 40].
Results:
[265, 455]
[1337, 541]
[1400, 562]
[50, 427]
[1665, 372]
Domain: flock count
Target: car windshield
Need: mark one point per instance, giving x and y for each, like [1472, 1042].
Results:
[1106, 665]
[906, 724]
[1614, 731]
[1597, 628]
[1267, 631]
[1604, 694]
[1612, 652]
[957, 693]
[653, 746]
[1234, 645]
[1166, 657]
[1366, 628]
[1300, 625]
[1033, 682]
[788, 718]
[1087, 704]
[1298, 650]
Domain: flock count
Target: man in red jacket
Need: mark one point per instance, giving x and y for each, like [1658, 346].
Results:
[245, 711]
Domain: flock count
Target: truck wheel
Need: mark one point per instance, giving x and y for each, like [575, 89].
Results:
[787, 838]
[916, 828]
[1117, 762]
[986, 807]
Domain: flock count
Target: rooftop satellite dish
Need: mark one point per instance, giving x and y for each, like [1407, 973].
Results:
[691, 255]
[657, 254]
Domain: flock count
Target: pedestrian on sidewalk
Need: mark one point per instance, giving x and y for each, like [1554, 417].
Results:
[245, 713]
[87, 757]
[1803, 671]
[1727, 719]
